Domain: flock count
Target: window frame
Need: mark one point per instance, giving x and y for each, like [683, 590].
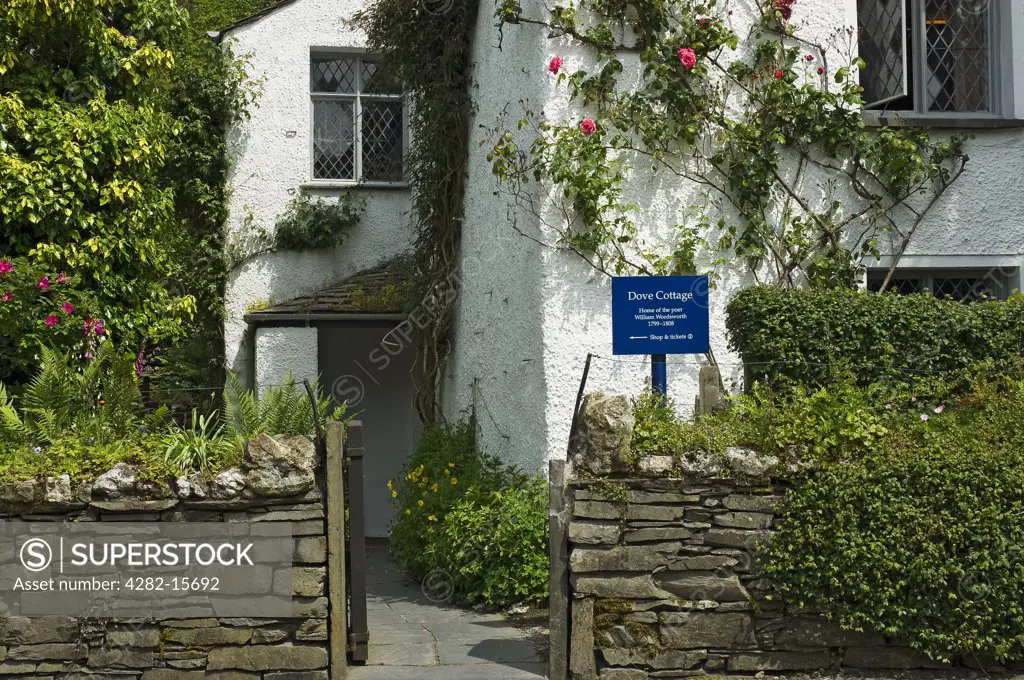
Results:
[1001, 111]
[356, 98]
[1006, 279]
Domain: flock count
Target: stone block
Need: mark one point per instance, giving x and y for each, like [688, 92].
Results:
[621, 558]
[594, 533]
[204, 637]
[581, 645]
[660, 497]
[267, 658]
[29, 631]
[706, 630]
[702, 563]
[172, 674]
[146, 638]
[312, 630]
[702, 585]
[685, 660]
[57, 651]
[659, 513]
[310, 549]
[733, 538]
[601, 443]
[301, 675]
[754, 502]
[279, 466]
[655, 465]
[657, 534]
[120, 658]
[743, 520]
[622, 674]
[597, 510]
[640, 587]
[779, 661]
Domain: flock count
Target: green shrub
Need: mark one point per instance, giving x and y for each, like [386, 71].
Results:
[921, 539]
[897, 340]
[493, 548]
[461, 512]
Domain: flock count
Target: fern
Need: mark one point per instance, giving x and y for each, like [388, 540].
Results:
[283, 409]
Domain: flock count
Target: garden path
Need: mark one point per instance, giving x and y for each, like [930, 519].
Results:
[413, 637]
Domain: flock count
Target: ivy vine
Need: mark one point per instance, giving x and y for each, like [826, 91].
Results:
[427, 47]
[789, 179]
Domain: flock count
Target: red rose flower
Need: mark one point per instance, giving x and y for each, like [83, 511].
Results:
[44, 284]
[67, 307]
[6, 297]
[687, 57]
[51, 320]
[587, 127]
[821, 70]
[6, 267]
[779, 74]
[555, 64]
[809, 57]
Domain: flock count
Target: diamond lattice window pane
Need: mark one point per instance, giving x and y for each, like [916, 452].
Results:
[332, 74]
[333, 139]
[374, 80]
[957, 55]
[382, 141]
[966, 288]
[882, 45]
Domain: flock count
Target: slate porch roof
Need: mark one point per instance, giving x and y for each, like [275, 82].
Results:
[380, 290]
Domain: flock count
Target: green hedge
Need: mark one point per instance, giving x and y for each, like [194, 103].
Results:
[810, 336]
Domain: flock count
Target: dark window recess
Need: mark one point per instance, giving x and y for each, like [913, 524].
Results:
[962, 286]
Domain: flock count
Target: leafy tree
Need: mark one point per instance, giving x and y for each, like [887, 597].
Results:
[112, 115]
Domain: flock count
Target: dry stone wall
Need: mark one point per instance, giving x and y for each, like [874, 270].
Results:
[278, 482]
[664, 582]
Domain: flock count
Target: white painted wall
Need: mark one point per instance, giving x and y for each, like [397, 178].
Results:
[284, 352]
[527, 321]
[270, 158]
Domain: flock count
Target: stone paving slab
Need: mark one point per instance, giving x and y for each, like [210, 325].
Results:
[412, 638]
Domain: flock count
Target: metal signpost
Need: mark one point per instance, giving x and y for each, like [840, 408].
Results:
[660, 315]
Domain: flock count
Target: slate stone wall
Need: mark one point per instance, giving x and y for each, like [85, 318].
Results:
[663, 584]
[276, 483]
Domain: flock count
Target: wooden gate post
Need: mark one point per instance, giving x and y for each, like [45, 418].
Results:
[358, 632]
[336, 597]
[558, 607]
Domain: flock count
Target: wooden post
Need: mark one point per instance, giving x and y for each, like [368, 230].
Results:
[558, 607]
[336, 597]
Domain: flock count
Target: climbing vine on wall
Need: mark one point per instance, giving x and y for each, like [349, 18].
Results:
[767, 139]
[427, 47]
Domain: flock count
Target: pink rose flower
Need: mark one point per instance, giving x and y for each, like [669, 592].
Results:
[687, 57]
[88, 325]
[98, 328]
[44, 284]
[809, 57]
[785, 8]
[939, 409]
[924, 417]
[821, 70]
[67, 307]
[6, 297]
[6, 267]
[555, 64]
[63, 278]
[588, 127]
[51, 320]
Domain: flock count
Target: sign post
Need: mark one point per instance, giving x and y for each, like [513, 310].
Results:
[660, 315]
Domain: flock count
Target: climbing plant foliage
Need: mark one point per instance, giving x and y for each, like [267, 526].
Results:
[743, 115]
[426, 46]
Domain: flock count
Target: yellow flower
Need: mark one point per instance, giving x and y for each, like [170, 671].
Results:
[394, 494]
[454, 481]
[451, 465]
[389, 484]
[432, 518]
[434, 488]
[447, 472]
[408, 511]
[419, 504]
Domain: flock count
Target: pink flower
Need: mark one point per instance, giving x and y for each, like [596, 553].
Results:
[779, 74]
[821, 70]
[98, 328]
[67, 307]
[913, 400]
[939, 409]
[785, 8]
[687, 57]
[555, 64]
[51, 320]
[809, 57]
[6, 267]
[63, 278]
[924, 417]
[44, 284]
[704, 22]
[587, 127]
[88, 325]
[6, 297]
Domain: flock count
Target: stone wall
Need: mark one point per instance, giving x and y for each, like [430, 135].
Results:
[663, 581]
[278, 482]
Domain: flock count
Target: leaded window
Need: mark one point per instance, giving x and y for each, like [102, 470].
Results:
[358, 120]
[962, 285]
[929, 56]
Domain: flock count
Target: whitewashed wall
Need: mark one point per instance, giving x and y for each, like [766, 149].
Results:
[271, 157]
[527, 322]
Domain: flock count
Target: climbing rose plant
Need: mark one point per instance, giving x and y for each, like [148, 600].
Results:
[767, 142]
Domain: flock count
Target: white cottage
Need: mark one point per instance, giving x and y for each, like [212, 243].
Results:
[528, 316]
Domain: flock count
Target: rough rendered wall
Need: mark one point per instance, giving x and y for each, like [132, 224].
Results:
[284, 352]
[979, 223]
[271, 157]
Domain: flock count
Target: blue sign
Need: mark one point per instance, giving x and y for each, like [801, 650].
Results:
[660, 315]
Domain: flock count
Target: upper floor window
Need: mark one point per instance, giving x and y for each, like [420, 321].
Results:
[963, 285]
[358, 120]
[937, 57]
